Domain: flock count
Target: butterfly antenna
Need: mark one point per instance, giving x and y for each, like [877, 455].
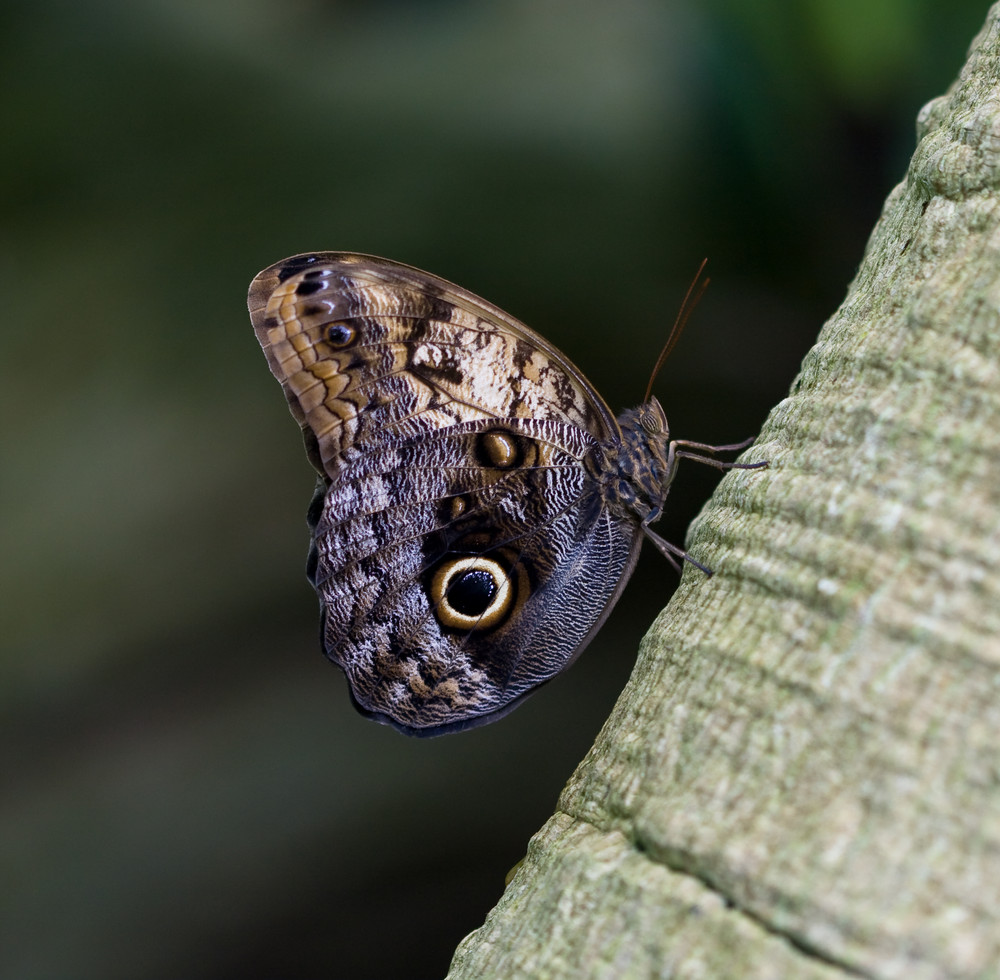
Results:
[683, 314]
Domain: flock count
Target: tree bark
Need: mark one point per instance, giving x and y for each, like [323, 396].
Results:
[802, 777]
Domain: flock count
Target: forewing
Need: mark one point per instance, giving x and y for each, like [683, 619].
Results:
[371, 352]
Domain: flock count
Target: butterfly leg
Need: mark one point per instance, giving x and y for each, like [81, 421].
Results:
[681, 449]
[671, 552]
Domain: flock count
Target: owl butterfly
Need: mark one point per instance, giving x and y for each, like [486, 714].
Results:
[478, 510]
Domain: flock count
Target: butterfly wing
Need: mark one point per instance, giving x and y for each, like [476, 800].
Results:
[369, 350]
[462, 549]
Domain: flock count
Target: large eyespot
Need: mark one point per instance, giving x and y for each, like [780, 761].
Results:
[471, 593]
[339, 334]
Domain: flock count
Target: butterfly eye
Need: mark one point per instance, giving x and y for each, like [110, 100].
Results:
[652, 419]
[471, 593]
[340, 334]
[650, 423]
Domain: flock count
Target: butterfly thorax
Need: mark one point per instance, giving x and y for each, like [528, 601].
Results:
[641, 470]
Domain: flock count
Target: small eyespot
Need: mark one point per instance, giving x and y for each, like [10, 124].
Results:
[471, 593]
[340, 334]
[498, 449]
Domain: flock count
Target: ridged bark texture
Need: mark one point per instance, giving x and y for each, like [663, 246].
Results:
[802, 778]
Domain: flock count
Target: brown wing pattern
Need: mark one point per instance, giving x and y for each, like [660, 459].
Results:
[367, 350]
[397, 516]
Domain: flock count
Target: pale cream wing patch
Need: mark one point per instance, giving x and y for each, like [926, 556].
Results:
[369, 351]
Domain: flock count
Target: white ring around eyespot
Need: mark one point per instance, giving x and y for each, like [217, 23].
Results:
[491, 615]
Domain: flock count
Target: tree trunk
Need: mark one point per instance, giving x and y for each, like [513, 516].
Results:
[802, 777]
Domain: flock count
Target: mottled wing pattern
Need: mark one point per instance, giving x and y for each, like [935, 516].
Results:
[398, 516]
[369, 350]
[458, 451]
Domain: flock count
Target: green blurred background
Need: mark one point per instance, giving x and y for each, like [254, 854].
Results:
[186, 789]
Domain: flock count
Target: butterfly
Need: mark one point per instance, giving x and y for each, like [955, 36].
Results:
[479, 508]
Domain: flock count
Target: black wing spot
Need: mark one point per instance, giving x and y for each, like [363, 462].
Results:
[294, 266]
[444, 373]
[472, 592]
[439, 309]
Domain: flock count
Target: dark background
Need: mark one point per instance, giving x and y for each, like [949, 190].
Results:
[186, 789]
